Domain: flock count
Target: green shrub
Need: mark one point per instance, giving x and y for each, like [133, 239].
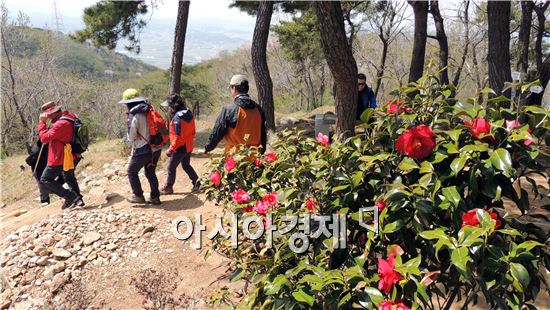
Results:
[439, 185]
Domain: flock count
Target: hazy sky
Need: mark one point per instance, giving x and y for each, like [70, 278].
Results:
[217, 9]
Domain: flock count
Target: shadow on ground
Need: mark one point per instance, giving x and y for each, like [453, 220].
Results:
[187, 202]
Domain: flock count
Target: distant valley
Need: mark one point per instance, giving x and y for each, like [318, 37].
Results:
[205, 38]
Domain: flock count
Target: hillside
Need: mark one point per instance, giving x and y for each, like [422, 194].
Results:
[83, 60]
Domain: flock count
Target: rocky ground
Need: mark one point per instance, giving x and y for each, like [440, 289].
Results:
[105, 246]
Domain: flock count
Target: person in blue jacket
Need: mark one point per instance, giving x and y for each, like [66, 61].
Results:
[365, 98]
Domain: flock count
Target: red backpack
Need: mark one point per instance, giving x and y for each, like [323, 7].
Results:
[158, 130]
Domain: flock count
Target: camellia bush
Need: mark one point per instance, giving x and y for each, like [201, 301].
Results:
[437, 171]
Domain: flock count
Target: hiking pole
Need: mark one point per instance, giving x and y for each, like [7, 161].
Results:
[38, 158]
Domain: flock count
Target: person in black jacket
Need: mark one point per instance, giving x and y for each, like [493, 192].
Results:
[38, 161]
[239, 123]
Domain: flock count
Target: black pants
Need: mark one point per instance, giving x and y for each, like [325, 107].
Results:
[48, 179]
[185, 160]
[150, 164]
[44, 191]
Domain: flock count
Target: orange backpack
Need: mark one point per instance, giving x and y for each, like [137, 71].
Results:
[158, 130]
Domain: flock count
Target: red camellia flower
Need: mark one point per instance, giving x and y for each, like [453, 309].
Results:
[480, 126]
[380, 205]
[270, 157]
[388, 276]
[230, 164]
[397, 106]
[389, 305]
[311, 204]
[470, 218]
[417, 142]
[322, 139]
[240, 196]
[511, 124]
[261, 208]
[216, 177]
[270, 199]
[258, 162]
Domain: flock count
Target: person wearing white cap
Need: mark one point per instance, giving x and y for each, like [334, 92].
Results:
[241, 123]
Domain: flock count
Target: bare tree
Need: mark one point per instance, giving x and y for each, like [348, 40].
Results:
[387, 21]
[466, 24]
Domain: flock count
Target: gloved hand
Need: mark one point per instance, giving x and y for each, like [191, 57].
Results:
[43, 117]
[169, 152]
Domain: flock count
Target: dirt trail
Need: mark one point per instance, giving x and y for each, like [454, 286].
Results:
[197, 275]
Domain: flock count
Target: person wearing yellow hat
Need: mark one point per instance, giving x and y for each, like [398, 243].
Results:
[144, 155]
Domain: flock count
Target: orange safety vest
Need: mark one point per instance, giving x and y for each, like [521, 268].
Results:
[186, 136]
[247, 131]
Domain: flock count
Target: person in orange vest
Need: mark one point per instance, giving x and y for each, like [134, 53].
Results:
[241, 122]
[182, 136]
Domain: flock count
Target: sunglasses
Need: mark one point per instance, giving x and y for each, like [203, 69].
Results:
[361, 84]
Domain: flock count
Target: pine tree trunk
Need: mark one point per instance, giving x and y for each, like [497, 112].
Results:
[524, 36]
[342, 65]
[179, 44]
[420, 9]
[442, 40]
[541, 20]
[544, 77]
[498, 55]
[263, 80]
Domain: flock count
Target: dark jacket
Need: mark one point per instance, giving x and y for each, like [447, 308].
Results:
[33, 158]
[59, 134]
[365, 100]
[228, 118]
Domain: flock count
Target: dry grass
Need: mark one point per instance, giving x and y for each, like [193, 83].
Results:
[17, 182]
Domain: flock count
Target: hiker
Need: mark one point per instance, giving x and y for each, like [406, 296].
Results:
[241, 122]
[61, 160]
[38, 160]
[365, 98]
[146, 148]
[182, 135]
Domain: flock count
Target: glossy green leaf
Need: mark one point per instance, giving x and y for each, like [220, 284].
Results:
[408, 164]
[520, 274]
[452, 195]
[460, 258]
[304, 297]
[501, 160]
[458, 163]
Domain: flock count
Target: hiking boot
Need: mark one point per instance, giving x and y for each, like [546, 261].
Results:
[69, 202]
[136, 199]
[165, 190]
[196, 188]
[154, 201]
[80, 202]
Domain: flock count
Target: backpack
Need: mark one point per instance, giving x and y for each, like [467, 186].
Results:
[81, 139]
[158, 131]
